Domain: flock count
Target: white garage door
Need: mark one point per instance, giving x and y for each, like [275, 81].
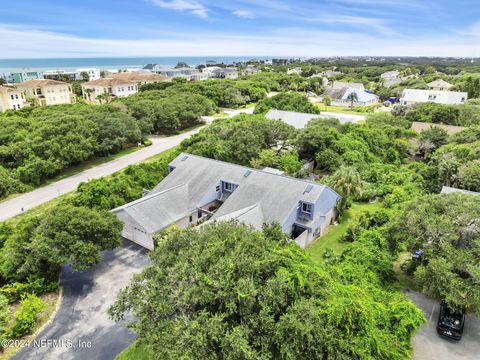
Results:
[142, 238]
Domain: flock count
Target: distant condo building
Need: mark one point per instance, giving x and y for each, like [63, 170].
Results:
[87, 74]
[61, 75]
[25, 75]
[11, 98]
[93, 73]
[47, 92]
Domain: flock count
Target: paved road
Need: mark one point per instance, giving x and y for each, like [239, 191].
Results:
[13, 207]
[83, 313]
[428, 345]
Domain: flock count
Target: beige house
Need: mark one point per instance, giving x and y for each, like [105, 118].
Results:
[11, 99]
[103, 90]
[439, 85]
[139, 78]
[47, 92]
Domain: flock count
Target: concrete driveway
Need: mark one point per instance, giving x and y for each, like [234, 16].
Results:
[81, 328]
[428, 345]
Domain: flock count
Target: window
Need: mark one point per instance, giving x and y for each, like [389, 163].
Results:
[432, 97]
[306, 208]
[190, 218]
[228, 186]
[11, 97]
[199, 214]
[217, 188]
[462, 100]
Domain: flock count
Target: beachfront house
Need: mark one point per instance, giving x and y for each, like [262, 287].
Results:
[199, 190]
[47, 92]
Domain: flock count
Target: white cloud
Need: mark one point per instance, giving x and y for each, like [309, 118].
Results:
[25, 42]
[243, 13]
[366, 22]
[191, 6]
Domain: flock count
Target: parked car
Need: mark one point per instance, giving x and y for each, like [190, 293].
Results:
[450, 323]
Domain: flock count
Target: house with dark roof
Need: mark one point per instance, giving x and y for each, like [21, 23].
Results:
[199, 190]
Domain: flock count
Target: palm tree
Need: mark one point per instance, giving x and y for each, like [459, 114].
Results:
[353, 97]
[348, 183]
[89, 94]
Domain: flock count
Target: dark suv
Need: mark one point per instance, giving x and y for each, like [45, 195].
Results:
[450, 323]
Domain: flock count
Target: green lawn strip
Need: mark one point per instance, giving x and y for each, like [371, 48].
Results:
[332, 238]
[134, 352]
[337, 109]
[404, 280]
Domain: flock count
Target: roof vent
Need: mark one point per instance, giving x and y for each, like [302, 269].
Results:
[184, 158]
[308, 189]
[247, 174]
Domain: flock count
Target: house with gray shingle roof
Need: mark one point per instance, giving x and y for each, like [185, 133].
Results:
[300, 120]
[199, 190]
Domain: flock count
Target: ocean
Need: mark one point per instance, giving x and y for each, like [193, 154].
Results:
[8, 66]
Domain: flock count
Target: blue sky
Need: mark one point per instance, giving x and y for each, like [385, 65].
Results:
[60, 28]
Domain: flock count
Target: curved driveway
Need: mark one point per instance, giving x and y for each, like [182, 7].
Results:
[81, 328]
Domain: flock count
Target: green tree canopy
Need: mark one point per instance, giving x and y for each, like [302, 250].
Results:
[447, 228]
[231, 292]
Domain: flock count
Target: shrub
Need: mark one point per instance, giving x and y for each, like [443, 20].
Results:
[25, 316]
[15, 291]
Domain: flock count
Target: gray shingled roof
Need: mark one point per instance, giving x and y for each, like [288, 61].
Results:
[156, 211]
[296, 119]
[277, 195]
[449, 190]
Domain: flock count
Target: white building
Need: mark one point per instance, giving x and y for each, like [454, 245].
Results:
[225, 73]
[415, 96]
[47, 92]
[182, 72]
[62, 75]
[93, 73]
[103, 90]
[11, 99]
[340, 93]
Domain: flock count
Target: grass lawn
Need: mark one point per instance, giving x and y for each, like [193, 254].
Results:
[133, 352]
[404, 281]
[337, 109]
[332, 237]
[220, 114]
